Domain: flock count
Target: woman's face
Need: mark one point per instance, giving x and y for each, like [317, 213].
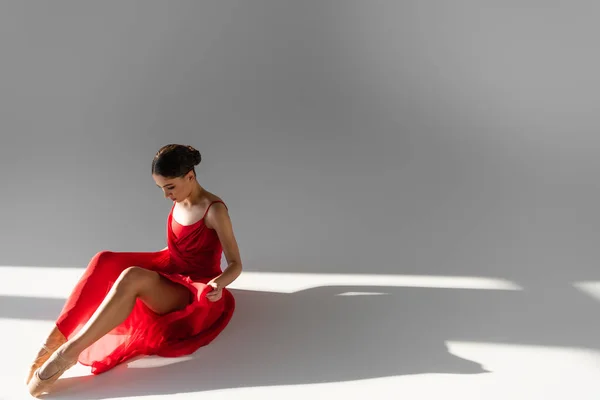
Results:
[175, 189]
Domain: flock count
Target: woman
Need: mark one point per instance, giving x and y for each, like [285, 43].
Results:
[167, 303]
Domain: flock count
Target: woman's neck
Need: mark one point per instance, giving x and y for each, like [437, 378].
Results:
[196, 195]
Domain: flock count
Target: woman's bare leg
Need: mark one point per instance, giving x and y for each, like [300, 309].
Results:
[158, 293]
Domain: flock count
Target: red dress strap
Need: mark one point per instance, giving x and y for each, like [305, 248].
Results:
[211, 203]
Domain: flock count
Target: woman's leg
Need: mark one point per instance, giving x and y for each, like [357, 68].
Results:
[87, 295]
[94, 285]
[158, 293]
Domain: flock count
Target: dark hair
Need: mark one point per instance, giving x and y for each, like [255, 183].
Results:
[175, 160]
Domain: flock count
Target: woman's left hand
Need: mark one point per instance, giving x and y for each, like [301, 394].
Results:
[216, 293]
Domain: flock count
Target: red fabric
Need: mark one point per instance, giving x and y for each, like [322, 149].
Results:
[193, 258]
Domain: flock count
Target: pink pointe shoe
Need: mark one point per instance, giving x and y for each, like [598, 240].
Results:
[38, 386]
[53, 342]
[44, 353]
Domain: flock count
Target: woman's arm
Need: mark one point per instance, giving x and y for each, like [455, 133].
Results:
[218, 219]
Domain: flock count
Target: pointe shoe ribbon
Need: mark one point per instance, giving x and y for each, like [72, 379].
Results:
[37, 385]
[54, 341]
[44, 353]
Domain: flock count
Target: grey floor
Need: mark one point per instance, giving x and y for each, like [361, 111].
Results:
[349, 336]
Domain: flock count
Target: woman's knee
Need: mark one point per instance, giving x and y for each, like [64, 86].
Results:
[135, 279]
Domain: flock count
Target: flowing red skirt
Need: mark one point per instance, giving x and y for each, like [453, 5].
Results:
[143, 332]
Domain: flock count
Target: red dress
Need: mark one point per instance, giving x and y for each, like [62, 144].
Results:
[193, 258]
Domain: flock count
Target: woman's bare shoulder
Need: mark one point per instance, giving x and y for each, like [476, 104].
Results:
[210, 212]
[211, 197]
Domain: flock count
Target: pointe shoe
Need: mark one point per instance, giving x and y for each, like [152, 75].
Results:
[52, 344]
[37, 385]
[44, 353]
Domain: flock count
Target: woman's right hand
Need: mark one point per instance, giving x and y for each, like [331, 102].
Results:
[216, 293]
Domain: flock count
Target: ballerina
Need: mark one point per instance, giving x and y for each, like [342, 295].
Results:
[167, 303]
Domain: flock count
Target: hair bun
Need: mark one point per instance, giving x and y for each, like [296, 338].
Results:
[197, 157]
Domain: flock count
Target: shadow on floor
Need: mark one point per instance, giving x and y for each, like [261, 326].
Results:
[313, 336]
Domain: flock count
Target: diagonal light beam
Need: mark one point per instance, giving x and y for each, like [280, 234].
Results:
[54, 282]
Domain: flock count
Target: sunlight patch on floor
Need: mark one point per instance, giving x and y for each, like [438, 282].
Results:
[363, 294]
[591, 288]
[552, 360]
[57, 282]
[295, 282]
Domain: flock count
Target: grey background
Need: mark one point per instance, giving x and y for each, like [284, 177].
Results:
[399, 137]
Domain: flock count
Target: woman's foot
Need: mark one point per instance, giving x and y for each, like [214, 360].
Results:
[45, 376]
[53, 342]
